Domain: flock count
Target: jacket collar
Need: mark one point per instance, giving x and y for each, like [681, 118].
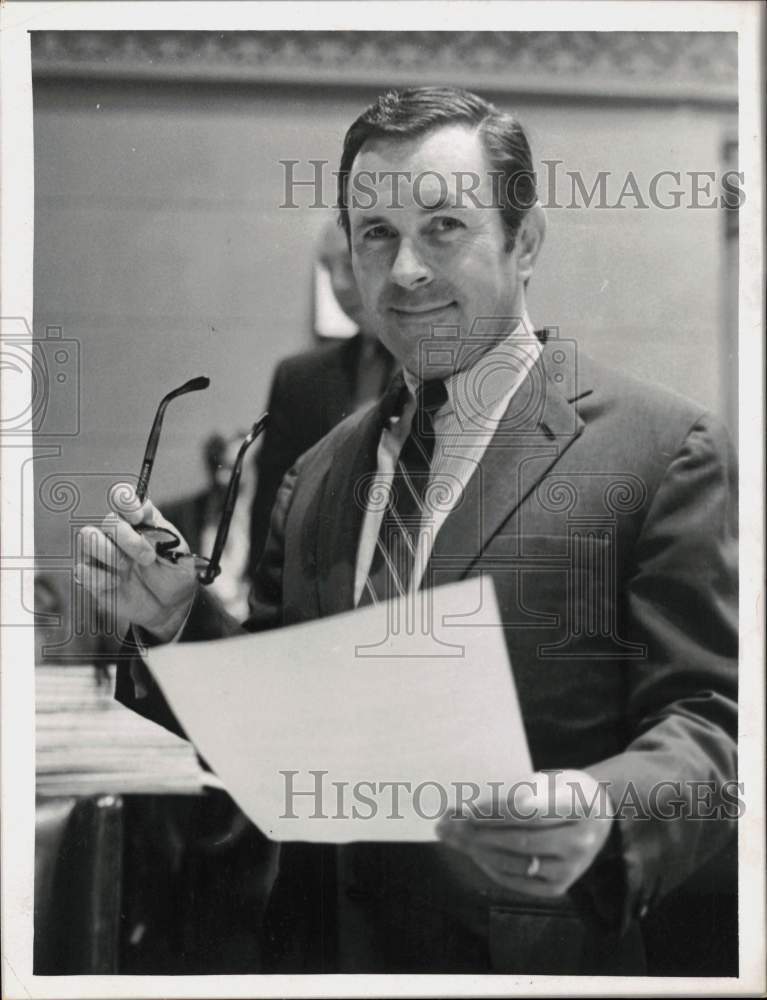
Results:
[537, 428]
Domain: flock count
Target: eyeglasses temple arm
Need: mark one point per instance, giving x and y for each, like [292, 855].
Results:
[201, 382]
[212, 569]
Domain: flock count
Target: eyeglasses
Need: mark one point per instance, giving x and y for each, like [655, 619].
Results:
[166, 541]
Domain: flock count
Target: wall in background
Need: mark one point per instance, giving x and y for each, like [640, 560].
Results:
[161, 246]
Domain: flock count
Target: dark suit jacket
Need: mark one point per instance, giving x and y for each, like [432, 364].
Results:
[605, 513]
[311, 392]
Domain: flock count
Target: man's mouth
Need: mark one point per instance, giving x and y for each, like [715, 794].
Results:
[421, 310]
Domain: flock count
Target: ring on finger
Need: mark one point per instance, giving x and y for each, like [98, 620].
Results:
[534, 867]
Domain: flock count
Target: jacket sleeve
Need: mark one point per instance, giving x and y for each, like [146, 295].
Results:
[674, 784]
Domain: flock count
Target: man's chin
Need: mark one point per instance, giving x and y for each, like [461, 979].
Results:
[424, 346]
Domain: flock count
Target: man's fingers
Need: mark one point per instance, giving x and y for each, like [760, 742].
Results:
[558, 841]
[525, 857]
[127, 506]
[550, 868]
[97, 548]
[128, 541]
[552, 843]
[519, 814]
[523, 836]
[124, 502]
[504, 856]
[511, 877]
[96, 580]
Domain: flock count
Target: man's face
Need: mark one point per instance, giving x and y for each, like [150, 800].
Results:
[334, 256]
[424, 261]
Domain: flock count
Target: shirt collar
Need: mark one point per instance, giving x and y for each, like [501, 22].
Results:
[493, 376]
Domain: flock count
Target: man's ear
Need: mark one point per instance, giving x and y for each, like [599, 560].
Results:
[530, 240]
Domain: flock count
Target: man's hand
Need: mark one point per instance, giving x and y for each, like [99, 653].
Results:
[541, 841]
[121, 569]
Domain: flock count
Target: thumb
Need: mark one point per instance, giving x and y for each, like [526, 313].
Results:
[126, 504]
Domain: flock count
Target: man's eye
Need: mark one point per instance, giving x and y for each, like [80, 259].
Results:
[379, 232]
[446, 224]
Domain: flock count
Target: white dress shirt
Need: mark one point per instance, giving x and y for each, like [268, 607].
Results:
[477, 399]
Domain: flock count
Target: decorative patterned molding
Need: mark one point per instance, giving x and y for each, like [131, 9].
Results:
[697, 66]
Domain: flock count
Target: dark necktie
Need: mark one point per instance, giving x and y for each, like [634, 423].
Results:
[392, 564]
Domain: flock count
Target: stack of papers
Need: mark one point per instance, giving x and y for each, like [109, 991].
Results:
[87, 743]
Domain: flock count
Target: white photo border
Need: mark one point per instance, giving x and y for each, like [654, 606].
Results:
[16, 677]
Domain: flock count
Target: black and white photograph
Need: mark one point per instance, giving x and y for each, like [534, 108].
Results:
[382, 523]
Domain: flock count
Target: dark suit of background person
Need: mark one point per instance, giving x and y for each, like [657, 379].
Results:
[197, 518]
[313, 391]
[604, 512]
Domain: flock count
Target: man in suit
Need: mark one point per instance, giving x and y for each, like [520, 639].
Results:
[601, 508]
[313, 391]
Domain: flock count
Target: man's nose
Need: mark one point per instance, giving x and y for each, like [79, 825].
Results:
[409, 269]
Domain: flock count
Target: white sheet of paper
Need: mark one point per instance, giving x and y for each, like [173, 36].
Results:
[343, 707]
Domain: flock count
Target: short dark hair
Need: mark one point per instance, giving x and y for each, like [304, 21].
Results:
[407, 114]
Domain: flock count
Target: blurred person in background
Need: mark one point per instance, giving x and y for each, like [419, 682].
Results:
[198, 517]
[314, 390]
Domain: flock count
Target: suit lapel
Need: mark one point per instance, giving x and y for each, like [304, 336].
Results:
[538, 427]
[341, 513]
